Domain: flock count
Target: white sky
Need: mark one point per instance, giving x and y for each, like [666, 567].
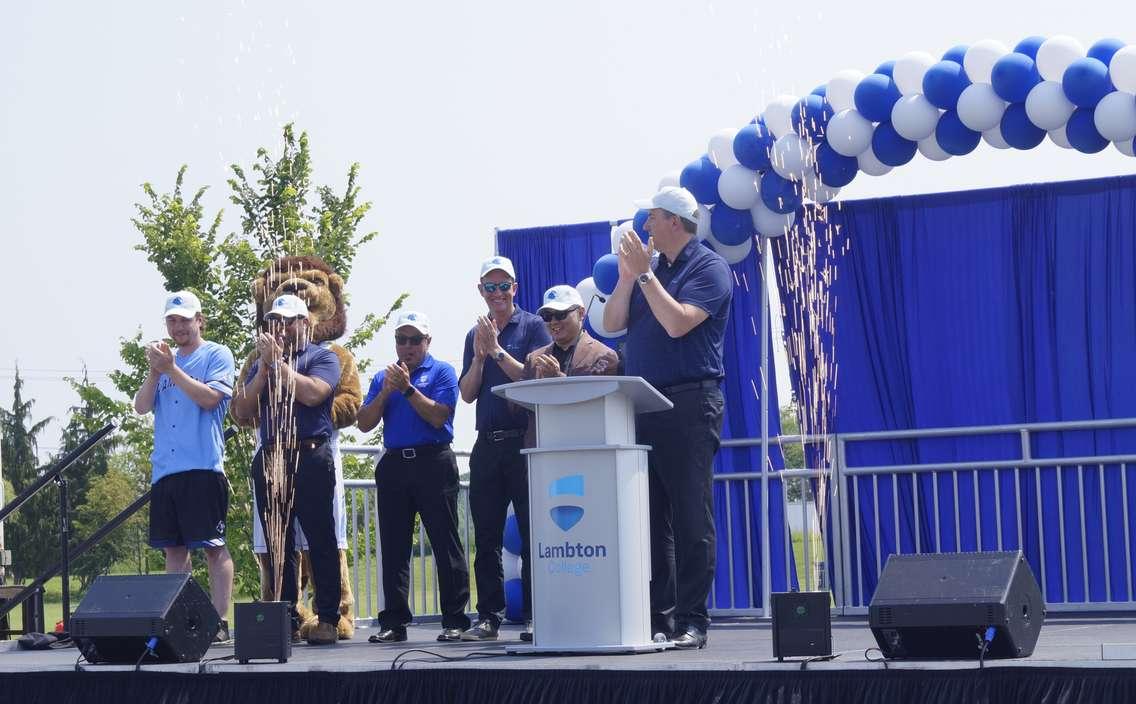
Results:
[464, 116]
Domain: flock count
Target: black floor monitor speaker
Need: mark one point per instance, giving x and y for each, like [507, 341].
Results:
[120, 614]
[264, 631]
[802, 624]
[940, 606]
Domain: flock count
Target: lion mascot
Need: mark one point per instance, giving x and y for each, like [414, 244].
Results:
[311, 279]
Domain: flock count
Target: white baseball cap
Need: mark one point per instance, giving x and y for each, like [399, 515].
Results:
[675, 200]
[561, 298]
[413, 319]
[498, 263]
[289, 306]
[183, 304]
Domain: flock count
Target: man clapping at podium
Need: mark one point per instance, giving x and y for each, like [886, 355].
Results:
[573, 351]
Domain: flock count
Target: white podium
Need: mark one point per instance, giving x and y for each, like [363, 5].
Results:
[588, 513]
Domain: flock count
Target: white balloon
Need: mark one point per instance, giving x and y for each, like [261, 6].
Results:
[1046, 105]
[738, 187]
[669, 179]
[779, 115]
[980, 108]
[617, 233]
[980, 58]
[768, 223]
[840, 91]
[732, 253]
[871, 165]
[587, 289]
[1126, 147]
[994, 138]
[791, 157]
[703, 222]
[909, 70]
[1060, 137]
[1115, 117]
[1055, 54]
[849, 133]
[721, 148]
[929, 147]
[1122, 69]
[914, 117]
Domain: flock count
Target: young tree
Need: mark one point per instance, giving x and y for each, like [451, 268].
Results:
[183, 244]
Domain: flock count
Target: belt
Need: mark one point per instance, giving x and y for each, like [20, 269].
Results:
[499, 435]
[410, 453]
[312, 443]
[689, 386]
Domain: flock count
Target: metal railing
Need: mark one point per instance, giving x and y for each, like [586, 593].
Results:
[849, 550]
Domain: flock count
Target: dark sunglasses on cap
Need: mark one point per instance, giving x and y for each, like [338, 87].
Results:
[503, 287]
[409, 339]
[558, 315]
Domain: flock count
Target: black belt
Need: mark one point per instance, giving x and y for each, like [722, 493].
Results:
[312, 443]
[499, 435]
[410, 453]
[689, 386]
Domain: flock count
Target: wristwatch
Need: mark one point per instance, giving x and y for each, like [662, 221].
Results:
[645, 278]
[410, 391]
[500, 355]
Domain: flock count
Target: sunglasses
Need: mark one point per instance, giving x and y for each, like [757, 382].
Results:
[491, 287]
[282, 320]
[409, 339]
[548, 316]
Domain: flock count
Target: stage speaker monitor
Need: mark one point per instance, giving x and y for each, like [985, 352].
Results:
[264, 631]
[120, 614]
[802, 624]
[939, 606]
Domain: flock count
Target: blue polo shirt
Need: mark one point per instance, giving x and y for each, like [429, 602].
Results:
[402, 426]
[524, 333]
[309, 421]
[700, 277]
[186, 436]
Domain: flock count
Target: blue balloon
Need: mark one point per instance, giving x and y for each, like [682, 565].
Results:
[954, 137]
[1085, 82]
[1013, 77]
[890, 148]
[779, 195]
[1082, 132]
[512, 537]
[701, 179]
[810, 117]
[514, 600]
[887, 68]
[639, 223]
[819, 90]
[1103, 50]
[1029, 46]
[956, 53]
[836, 170]
[605, 272]
[944, 83]
[731, 227]
[875, 96]
[752, 147]
[1017, 129]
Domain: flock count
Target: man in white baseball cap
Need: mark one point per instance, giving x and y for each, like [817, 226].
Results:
[676, 201]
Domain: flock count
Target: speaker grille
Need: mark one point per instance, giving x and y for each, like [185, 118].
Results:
[884, 616]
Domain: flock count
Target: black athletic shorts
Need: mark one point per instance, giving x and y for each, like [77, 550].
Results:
[189, 508]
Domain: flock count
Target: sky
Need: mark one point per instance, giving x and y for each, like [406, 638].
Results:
[465, 117]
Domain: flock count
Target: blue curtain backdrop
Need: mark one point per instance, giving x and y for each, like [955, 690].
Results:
[546, 256]
[1011, 305]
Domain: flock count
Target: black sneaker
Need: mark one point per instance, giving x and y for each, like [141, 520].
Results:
[389, 635]
[527, 633]
[449, 635]
[484, 629]
[222, 636]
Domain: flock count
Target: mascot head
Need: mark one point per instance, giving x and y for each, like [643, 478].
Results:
[311, 279]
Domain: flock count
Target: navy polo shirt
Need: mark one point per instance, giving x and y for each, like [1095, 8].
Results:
[700, 277]
[402, 426]
[524, 333]
[310, 421]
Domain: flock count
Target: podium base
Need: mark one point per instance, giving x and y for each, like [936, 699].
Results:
[588, 649]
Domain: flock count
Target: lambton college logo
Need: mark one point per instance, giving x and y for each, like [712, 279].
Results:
[566, 516]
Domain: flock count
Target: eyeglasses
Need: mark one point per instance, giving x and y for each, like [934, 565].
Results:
[491, 287]
[409, 339]
[548, 316]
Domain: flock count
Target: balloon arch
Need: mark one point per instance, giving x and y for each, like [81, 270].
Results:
[753, 180]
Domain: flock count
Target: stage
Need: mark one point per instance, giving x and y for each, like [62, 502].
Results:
[1075, 660]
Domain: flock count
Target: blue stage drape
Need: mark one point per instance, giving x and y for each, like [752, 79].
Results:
[1010, 305]
[546, 256]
